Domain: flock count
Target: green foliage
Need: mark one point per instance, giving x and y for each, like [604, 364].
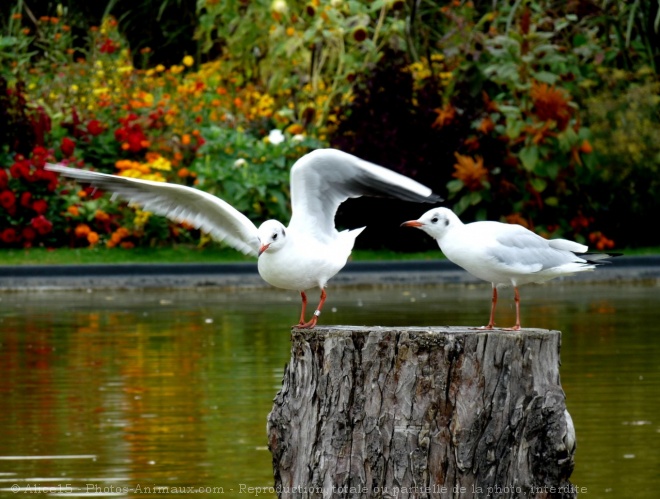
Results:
[522, 79]
[314, 49]
[251, 174]
[624, 118]
[524, 111]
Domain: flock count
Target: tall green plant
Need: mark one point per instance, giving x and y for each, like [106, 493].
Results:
[315, 49]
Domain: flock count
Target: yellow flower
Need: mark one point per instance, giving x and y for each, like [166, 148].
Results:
[188, 61]
[161, 164]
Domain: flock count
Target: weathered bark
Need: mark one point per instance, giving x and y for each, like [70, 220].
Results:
[422, 412]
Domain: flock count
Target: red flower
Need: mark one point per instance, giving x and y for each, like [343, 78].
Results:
[108, 46]
[4, 179]
[132, 137]
[28, 233]
[7, 199]
[20, 168]
[41, 124]
[41, 225]
[67, 146]
[95, 128]
[40, 206]
[26, 199]
[50, 177]
[39, 155]
[8, 236]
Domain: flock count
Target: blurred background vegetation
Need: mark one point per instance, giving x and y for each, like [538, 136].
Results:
[541, 113]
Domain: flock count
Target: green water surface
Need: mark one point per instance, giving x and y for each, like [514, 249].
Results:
[118, 394]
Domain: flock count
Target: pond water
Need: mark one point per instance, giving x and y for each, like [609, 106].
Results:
[120, 393]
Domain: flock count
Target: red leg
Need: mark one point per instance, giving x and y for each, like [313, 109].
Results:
[317, 312]
[516, 297]
[491, 321]
[304, 308]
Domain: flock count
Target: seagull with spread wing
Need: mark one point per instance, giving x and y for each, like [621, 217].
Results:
[505, 254]
[304, 255]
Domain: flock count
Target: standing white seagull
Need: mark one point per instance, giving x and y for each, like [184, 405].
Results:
[305, 254]
[504, 254]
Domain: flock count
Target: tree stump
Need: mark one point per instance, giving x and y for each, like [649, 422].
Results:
[414, 412]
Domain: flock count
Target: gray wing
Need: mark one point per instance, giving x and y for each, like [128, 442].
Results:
[177, 202]
[325, 178]
[522, 250]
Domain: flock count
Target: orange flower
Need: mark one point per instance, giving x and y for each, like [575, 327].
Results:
[539, 134]
[580, 222]
[472, 143]
[586, 147]
[101, 216]
[551, 103]
[486, 126]
[185, 139]
[127, 245]
[82, 230]
[517, 218]
[183, 173]
[295, 129]
[445, 116]
[92, 238]
[73, 210]
[491, 106]
[601, 242]
[470, 171]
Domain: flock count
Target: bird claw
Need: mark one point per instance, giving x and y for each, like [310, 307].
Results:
[308, 325]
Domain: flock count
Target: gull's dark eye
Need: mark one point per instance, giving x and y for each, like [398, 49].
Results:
[275, 236]
[434, 220]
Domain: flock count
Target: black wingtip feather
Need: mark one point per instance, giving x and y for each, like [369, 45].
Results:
[598, 258]
[377, 188]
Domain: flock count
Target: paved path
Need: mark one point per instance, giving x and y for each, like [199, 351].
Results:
[166, 276]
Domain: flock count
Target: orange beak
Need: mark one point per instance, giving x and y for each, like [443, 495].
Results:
[263, 248]
[412, 223]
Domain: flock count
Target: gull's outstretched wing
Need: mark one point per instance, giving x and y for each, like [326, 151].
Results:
[325, 178]
[176, 202]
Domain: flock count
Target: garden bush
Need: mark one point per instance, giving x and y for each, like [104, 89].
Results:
[529, 114]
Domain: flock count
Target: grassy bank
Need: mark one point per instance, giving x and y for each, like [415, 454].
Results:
[191, 254]
[174, 254]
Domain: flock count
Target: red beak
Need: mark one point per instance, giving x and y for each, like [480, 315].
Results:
[412, 223]
[263, 248]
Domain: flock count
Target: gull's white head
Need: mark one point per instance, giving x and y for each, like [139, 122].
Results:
[272, 236]
[436, 222]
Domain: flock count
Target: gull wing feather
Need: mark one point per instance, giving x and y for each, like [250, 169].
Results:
[176, 202]
[522, 250]
[325, 178]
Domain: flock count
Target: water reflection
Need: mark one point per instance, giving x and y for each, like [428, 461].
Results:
[106, 391]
